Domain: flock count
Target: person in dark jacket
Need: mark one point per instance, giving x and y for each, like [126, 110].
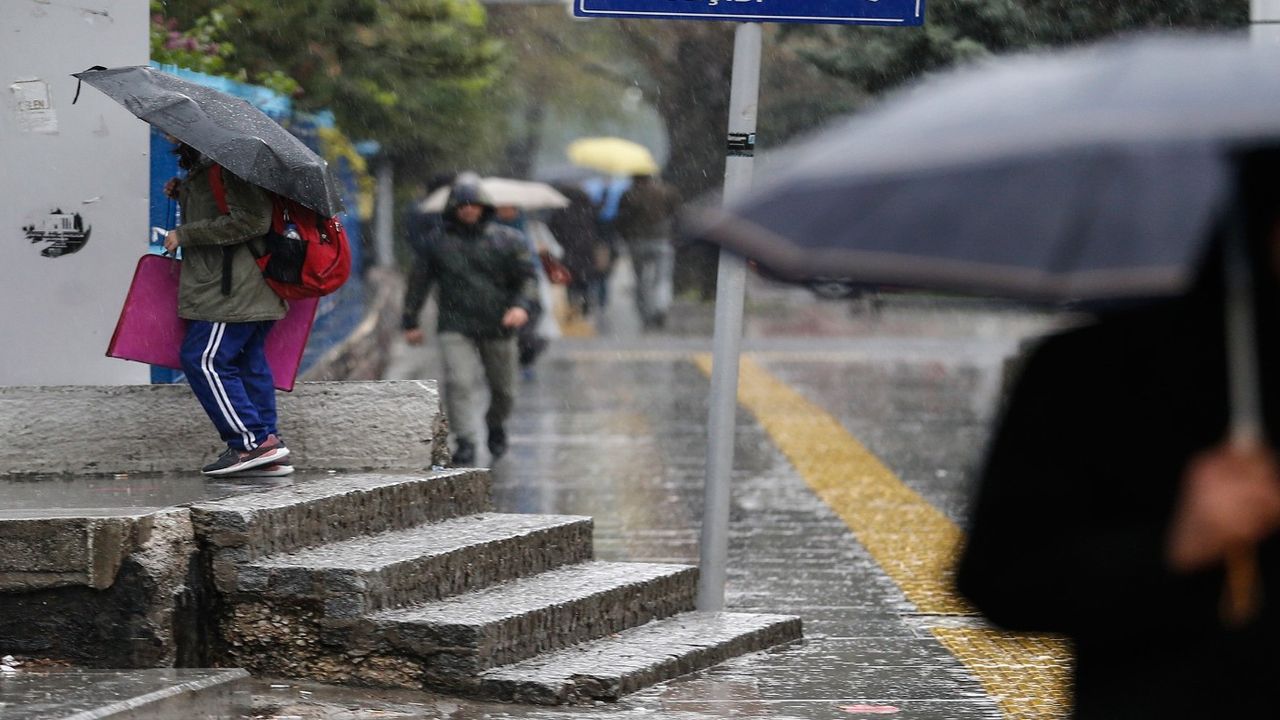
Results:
[586, 255]
[645, 222]
[1111, 500]
[229, 308]
[487, 292]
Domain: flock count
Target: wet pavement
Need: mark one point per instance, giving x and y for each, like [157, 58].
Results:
[891, 400]
[614, 427]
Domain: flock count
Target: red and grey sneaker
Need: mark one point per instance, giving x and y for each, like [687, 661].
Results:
[265, 471]
[232, 460]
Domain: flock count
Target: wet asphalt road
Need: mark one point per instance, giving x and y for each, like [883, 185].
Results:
[614, 427]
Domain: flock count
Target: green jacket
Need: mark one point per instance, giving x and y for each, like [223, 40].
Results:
[204, 232]
[482, 270]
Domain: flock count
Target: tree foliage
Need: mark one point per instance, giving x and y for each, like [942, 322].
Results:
[1061, 21]
[555, 67]
[955, 31]
[414, 75]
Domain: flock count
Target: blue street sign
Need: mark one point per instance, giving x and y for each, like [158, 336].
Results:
[847, 12]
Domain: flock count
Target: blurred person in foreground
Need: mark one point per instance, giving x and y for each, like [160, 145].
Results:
[487, 291]
[645, 222]
[1111, 500]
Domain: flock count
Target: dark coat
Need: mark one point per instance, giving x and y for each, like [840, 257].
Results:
[482, 270]
[576, 229]
[1075, 501]
[647, 210]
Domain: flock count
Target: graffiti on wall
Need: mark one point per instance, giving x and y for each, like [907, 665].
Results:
[64, 233]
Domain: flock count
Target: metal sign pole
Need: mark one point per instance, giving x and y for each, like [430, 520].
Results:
[1264, 21]
[731, 284]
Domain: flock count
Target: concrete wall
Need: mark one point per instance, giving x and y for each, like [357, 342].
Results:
[88, 159]
[396, 425]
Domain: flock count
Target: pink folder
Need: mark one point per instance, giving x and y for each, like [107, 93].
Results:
[150, 331]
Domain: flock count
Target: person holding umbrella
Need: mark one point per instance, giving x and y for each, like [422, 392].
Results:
[487, 293]
[221, 290]
[229, 308]
[1130, 499]
[1111, 501]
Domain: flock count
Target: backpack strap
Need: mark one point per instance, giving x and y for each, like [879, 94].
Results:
[220, 197]
[219, 190]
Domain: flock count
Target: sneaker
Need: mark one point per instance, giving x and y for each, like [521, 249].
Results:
[465, 455]
[265, 471]
[270, 451]
[497, 442]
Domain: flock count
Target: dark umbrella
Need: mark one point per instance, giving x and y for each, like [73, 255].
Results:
[225, 128]
[1092, 174]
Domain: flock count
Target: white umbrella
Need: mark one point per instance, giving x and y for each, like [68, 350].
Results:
[523, 194]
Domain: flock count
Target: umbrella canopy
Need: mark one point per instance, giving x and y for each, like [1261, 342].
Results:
[1094, 173]
[612, 155]
[523, 194]
[226, 129]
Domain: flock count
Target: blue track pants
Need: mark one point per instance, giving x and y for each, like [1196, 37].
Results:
[226, 365]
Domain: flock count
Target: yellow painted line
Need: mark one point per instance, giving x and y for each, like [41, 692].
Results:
[911, 540]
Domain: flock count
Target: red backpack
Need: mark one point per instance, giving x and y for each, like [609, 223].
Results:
[306, 255]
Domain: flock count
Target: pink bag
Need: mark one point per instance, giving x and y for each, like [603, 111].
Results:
[150, 331]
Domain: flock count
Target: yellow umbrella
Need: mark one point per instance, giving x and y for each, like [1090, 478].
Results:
[612, 155]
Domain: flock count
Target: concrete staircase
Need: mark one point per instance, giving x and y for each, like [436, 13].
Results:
[114, 554]
[412, 581]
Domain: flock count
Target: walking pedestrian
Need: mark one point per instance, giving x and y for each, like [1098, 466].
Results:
[1112, 503]
[487, 292]
[585, 253]
[604, 195]
[229, 308]
[646, 215]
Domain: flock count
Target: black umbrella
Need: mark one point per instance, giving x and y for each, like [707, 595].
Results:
[225, 128]
[1091, 174]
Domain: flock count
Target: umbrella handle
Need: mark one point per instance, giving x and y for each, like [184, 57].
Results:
[1242, 586]
[1241, 592]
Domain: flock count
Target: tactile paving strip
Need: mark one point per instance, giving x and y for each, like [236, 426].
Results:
[1028, 675]
[911, 540]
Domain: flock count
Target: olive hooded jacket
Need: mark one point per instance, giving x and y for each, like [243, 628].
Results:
[205, 232]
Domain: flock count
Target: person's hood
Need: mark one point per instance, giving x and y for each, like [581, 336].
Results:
[468, 192]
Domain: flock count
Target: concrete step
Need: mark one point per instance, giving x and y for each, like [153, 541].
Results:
[611, 667]
[429, 562]
[240, 529]
[458, 637]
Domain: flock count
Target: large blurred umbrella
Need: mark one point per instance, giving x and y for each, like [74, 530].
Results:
[226, 129]
[1084, 175]
[523, 194]
[1094, 173]
[614, 156]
